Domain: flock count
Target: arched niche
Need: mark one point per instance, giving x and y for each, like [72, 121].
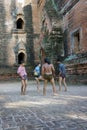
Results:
[19, 23]
[22, 56]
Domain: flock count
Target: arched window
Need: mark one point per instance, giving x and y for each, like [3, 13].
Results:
[20, 23]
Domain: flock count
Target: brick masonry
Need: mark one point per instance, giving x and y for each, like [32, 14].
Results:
[18, 44]
[74, 16]
[24, 44]
[75, 29]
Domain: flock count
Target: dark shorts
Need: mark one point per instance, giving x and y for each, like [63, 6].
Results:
[24, 77]
[62, 75]
[48, 77]
[36, 76]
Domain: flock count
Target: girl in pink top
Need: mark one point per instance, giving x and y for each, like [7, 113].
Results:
[23, 74]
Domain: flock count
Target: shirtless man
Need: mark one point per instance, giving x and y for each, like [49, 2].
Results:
[47, 73]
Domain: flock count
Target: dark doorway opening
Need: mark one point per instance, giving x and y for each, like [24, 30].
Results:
[76, 41]
[21, 57]
[20, 23]
[76, 37]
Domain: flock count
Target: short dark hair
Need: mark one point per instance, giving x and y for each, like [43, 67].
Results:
[46, 60]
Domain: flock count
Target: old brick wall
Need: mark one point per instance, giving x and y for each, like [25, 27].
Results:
[36, 27]
[15, 41]
[6, 24]
[40, 5]
[27, 41]
[74, 16]
[50, 23]
[75, 29]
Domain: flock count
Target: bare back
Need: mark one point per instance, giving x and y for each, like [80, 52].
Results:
[47, 69]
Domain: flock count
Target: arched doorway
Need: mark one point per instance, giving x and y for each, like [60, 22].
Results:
[21, 57]
[20, 23]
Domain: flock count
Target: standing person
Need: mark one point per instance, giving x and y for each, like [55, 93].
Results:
[37, 75]
[47, 73]
[62, 74]
[23, 74]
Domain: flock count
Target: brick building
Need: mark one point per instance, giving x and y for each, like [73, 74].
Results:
[75, 40]
[70, 15]
[33, 29]
[19, 32]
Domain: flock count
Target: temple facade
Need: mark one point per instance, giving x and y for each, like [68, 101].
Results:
[19, 32]
[33, 29]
